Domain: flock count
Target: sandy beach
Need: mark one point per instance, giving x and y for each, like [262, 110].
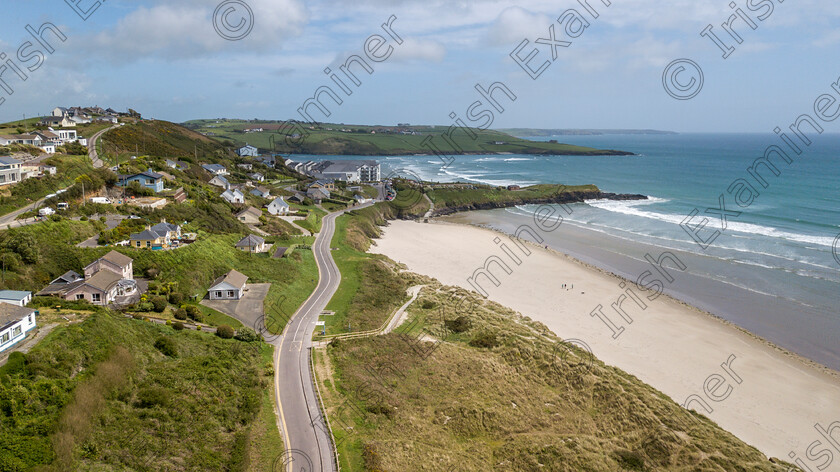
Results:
[771, 399]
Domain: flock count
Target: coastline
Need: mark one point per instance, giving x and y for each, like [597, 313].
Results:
[672, 346]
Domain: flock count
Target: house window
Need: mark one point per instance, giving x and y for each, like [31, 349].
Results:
[31, 319]
[148, 244]
[231, 294]
[219, 294]
[17, 331]
[138, 243]
[80, 296]
[96, 297]
[5, 338]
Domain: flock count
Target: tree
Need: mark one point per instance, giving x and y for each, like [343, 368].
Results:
[247, 335]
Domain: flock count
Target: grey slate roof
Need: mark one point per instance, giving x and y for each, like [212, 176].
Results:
[250, 241]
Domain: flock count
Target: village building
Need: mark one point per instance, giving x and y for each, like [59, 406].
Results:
[230, 286]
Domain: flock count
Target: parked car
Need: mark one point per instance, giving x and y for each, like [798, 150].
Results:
[46, 211]
[104, 200]
[62, 206]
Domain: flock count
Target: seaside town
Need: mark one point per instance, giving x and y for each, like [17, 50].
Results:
[281, 236]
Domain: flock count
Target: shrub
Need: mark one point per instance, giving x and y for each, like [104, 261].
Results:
[145, 306]
[176, 298]
[180, 314]
[177, 326]
[159, 304]
[166, 346]
[194, 313]
[429, 304]
[137, 316]
[150, 397]
[247, 335]
[224, 332]
[458, 325]
[486, 340]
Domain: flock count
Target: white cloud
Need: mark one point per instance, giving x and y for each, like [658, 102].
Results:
[186, 30]
[515, 24]
[419, 49]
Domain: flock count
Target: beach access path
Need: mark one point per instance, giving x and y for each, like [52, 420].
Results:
[776, 397]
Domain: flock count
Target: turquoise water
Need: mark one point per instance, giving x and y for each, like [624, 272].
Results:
[771, 271]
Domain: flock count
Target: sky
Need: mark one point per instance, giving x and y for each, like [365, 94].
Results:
[167, 60]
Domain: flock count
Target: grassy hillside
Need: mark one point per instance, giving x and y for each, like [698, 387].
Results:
[114, 393]
[160, 139]
[359, 140]
[467, 384]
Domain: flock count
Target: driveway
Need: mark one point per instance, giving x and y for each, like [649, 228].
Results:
[248, 310]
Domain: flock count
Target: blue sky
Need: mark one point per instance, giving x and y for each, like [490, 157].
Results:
[166, 60]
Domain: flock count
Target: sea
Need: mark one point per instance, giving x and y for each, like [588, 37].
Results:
[774, 269]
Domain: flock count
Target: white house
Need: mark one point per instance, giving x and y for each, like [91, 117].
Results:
[251, 243]
[278, 207]
[220, 181]
[215, 169]
[15, 297]
[262, 192]
[66, 135]
[245, 166]
[233, 196]
[230, 286]
[256, 176]
[15, 322]
[248, 150]
[9, 170]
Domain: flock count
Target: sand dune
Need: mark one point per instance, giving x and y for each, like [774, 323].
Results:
[769, 398]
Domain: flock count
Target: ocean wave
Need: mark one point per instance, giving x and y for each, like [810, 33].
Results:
[630, 208]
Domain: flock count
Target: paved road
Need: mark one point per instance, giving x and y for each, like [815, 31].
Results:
[303, 427]
[94, 157]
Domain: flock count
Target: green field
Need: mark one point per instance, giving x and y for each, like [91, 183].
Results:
[359, 140]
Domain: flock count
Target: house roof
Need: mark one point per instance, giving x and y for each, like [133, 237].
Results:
[146, 235]
[17, 295]
[250, 241]
[231, 193]
[12, 314]
[254, 211]
[59, 288]
[164, 226]
[67, 277]
[117, 258]
[279, 201]
[256, 175]
[103, 280]
[213, 167]
[322, 182]
[233, 278]
[8, 160]
[262, 190]
[146, 173]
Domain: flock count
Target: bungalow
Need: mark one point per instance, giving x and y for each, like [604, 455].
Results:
[234, 196]
[278, 207]
[245, 166]
[177, 165]
[248, 150]
[62, 121]
[298, 196]
[318, 194]
[66, 135]
[230, 286]
[361, 200]
[215, 169]
[220, 181]
[47, 169]
[100, 289]
[9, 170]
[251, 243]
[148, 179]
[115, 262]
[262, 192]
[325, 184]
[15, 297]
[249, 216]
[15, 322]
[256, 176]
